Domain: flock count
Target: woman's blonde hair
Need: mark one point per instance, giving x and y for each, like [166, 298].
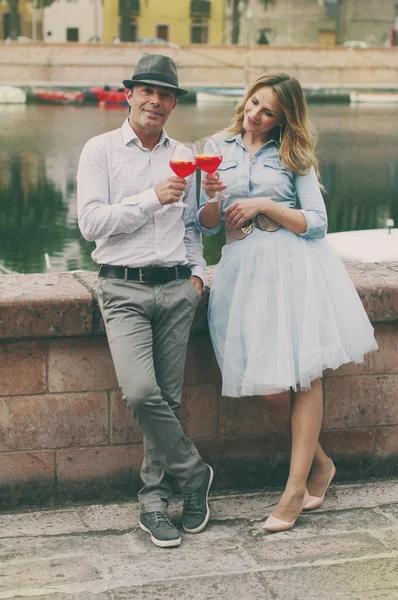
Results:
[299, 137]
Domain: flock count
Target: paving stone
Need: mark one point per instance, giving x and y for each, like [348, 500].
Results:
[289, 547]
[390, 511]
[61, 547]
[39, 573]
[249, 506]
[231, 586]
[41, 523]
[364, 519]
[337, 581]
[348, 550]
[186, 561]
[389, 539]
[75, 596]
[110, 517]
[361, 495]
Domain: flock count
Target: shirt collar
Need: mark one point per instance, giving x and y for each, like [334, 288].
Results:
[129, 135]
[238, 138]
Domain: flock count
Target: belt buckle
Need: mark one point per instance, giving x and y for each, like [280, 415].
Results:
[176, 271]
[126, 274]
[140, 276]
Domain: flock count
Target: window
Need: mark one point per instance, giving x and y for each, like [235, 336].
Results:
[264, 36]
[72, 34]
[199, 31]
[133, 32]
[162, 32]
[332, 6]
[128, 30]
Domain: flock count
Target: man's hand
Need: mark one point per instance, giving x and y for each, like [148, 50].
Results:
[197, 283]
[170, 190]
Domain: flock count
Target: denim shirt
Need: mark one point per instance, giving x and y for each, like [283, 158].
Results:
[265, 176]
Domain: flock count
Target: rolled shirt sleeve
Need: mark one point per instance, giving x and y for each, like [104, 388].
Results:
[312, 205]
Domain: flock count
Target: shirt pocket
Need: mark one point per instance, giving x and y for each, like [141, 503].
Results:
[274, 173]
[228, 171]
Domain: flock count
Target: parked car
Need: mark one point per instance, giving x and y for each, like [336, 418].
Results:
[157, 41]
[355, 44]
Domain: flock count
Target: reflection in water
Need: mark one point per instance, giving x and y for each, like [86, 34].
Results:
[40, 148]
[33, 215]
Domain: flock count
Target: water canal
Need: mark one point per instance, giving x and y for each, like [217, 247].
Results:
[40, 147]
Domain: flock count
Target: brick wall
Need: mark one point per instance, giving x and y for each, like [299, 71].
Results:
[67, 435]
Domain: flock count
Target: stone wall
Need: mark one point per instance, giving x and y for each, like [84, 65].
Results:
[198, 65]
[66, 434]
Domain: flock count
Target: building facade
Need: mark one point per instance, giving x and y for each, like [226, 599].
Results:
[368, 20]
[73, 21]
[309, 22]
[178, 21]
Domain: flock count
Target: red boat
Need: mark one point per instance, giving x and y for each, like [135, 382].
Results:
[107, 95]
[45, 96]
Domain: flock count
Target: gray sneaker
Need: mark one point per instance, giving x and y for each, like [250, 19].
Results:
[163, 533]
[196, 506]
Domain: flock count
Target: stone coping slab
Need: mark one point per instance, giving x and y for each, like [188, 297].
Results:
[44, 305]
[64, 304]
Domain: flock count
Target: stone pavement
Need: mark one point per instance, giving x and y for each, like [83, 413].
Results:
[348, 550]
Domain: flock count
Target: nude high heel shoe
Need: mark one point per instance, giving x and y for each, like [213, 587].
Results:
[274, 524]
[317, 501]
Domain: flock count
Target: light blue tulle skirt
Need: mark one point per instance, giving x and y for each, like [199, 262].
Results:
[282, 310]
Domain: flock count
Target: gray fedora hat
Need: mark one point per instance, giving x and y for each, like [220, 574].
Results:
[156, 69]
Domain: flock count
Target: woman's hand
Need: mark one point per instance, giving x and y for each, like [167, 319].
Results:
[212, 184]
[242, 211]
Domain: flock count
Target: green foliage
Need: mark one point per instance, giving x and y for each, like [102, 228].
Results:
[268, 3]
[33, 216]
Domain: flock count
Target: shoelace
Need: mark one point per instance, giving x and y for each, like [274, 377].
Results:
[159, 517]
[190, 501]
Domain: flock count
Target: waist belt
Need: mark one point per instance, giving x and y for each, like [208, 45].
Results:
[145, 274]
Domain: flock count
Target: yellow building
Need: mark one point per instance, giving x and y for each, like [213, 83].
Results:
[176, 21]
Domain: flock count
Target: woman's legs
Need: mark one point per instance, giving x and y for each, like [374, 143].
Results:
[279, 409]
[306, 420]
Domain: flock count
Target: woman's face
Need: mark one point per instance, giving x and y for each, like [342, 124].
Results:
[262, 112]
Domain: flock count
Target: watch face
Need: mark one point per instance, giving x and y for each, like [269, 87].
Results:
[247, 227]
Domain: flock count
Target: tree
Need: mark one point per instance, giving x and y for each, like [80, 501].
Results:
[268, 3]
[14, 13]
[14, 19]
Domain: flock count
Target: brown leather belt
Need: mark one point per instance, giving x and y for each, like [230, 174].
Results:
[145, 274]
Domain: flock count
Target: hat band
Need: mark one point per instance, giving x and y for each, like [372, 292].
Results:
[155, 77]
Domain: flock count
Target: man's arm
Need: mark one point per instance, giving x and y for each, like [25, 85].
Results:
[192, 238]
[97, 217]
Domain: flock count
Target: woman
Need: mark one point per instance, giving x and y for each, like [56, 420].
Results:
[282, 306]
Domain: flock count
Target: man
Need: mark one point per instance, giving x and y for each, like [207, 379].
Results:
[151, 270]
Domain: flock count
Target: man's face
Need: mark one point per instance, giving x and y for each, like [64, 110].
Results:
[151, 106]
